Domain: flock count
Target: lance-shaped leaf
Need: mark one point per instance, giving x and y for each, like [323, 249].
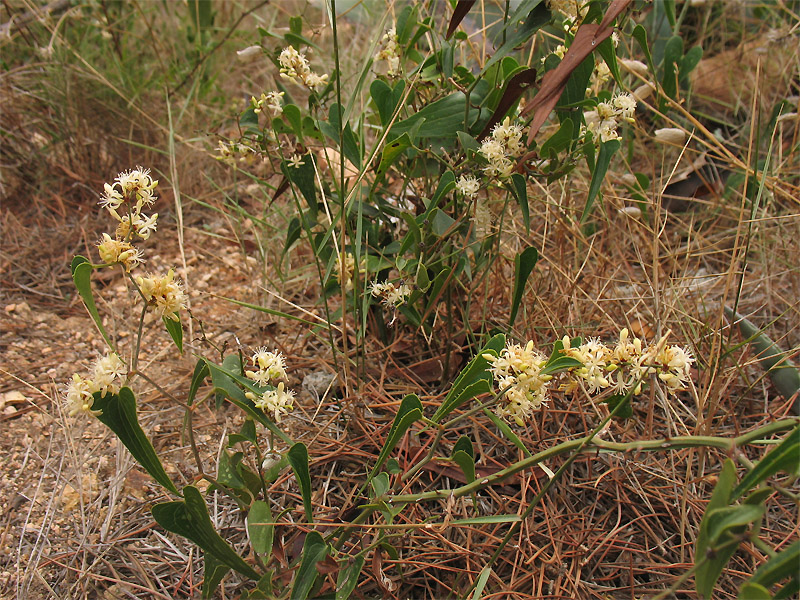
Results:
[784, 457]
[781, 566]
[189, 518]
[520, 191]
[119, 415]
[82, 277]
[198, 376]
[348, 578]
[298, 458]
[464, 456]
[175, 331]
[260, 528]
[607, 151]
[523, 265]
[213, 573]
[314, 550]
[473, 380]
[408, 413]
[724, 528]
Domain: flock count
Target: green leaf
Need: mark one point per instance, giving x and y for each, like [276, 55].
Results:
[537, 17]
[625, 411]
[506, 431]
[520, 191]
[82, 277]
[303, 177]
[753, 591]
[673, 52]
[260, 528]
[386, 98]
[189, 518]
[119, 415]
[719, 498]
[523, 265]
[408, 413]
[481, 583]
[380, 484]
[391, 151]
[348, 578]
[227, 473]
[350, 146]
[269, 311]
[783, 457]
[298, 458]
[607, 151]
[468, 143]
[560, 140]
[487, 519]
[446, 183]
[292, 114]
[175, 331]
[443, 118]
[263, 590]
[688, 64]
[473, 379]
[790, 590]
[226, 383]
[464, 456]
[198, 376]
[213, 574]
[723, 526]
[314, 550]
[640, 35]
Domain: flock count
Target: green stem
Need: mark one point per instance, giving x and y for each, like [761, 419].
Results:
[689, 441]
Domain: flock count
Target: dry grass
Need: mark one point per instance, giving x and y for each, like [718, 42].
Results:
[615, 526]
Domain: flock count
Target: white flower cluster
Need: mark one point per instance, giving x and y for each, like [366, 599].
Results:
[517, 370]
[505, 142]
[468, 186]
[113, 251]
[108, 375]
[629, 364]
[390, 52]
[390, 294]
[164, 295]
[602, 122]
[272, 100]
[294, 66]
[624, 367]
[270, 366]
[278, 401]
[131, 191]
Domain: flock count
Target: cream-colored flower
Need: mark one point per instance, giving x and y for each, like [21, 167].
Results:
[390, 52]
[294, 66]
[115, 251]
[468, 186]
[163, 294]
[79, 397]
[391, 295]
[517, 372]
[296, 161]
[108, 376]
[278, 401]
[625, 105]
[270, 366]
